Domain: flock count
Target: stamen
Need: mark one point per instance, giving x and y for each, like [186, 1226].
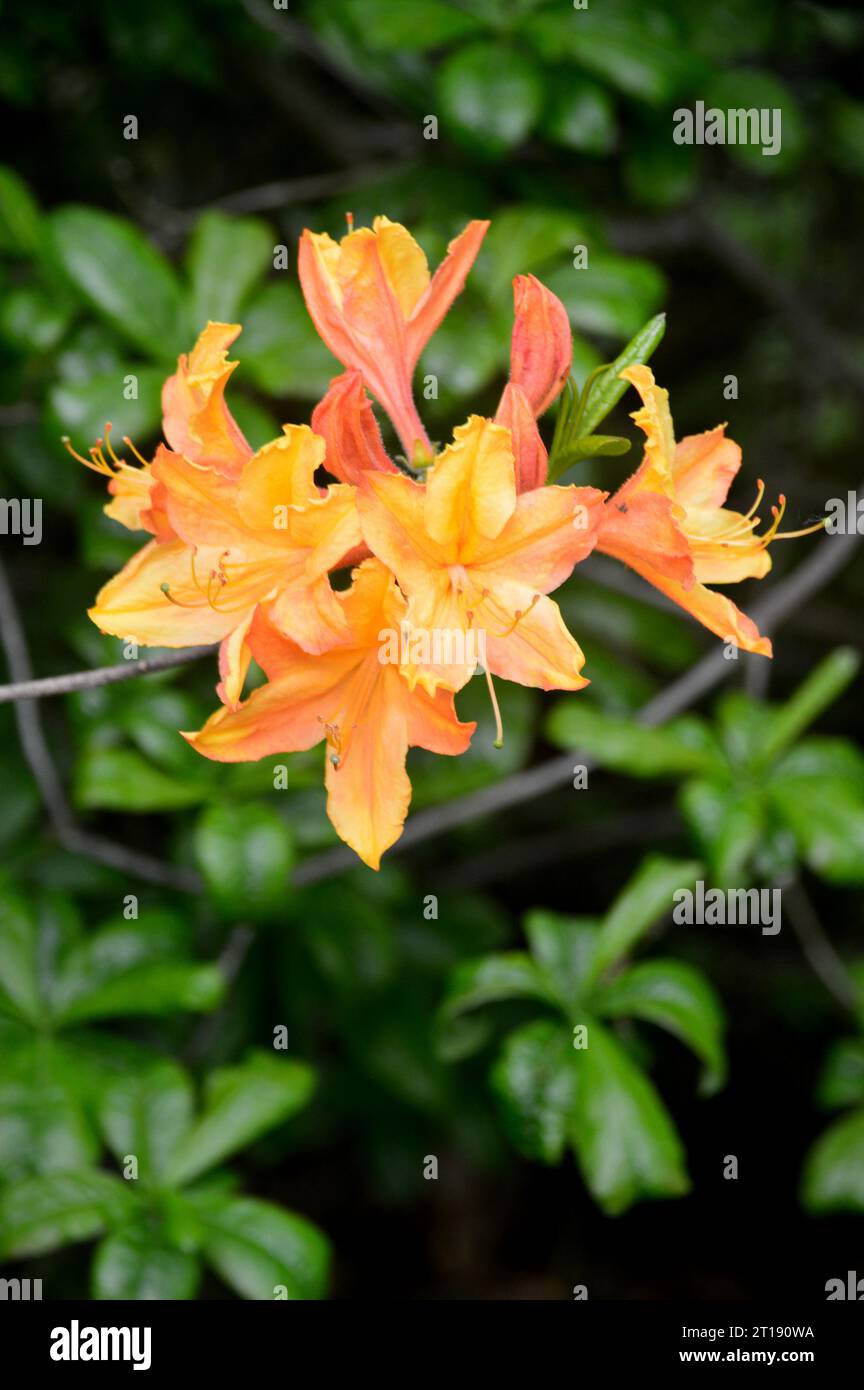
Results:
[178, 603]
[333, 738]
[99, 466]
[760, 493]
[807, 531]
[349, 218]
[499, 727]
[129, 445]
[518, 616]
[109, 446]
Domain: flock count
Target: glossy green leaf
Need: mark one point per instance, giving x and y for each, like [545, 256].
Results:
[42, 1126]
[625, 1141]
[728, 822]
[490, 95]
[534, 1080]
[120, 779]
[280, 351]
[833, 1174]
[683, 746]
[414, 28]
[123, 277]
[580, 114]
[608, 388]
[20, 219]
[134, 1264]
[826, 816]
[242, 1103]
[245, 852]
[822, 687]
[55, 1209]
[676, 997]
[647, 897]
[564, 947]
[841, 1082]
[147, 1116]
[20, 993]
[226, 258]
[265, 1252]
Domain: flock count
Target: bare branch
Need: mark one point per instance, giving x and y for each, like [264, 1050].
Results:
[104, 675]
[821, 956]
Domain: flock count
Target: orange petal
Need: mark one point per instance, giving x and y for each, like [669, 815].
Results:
[447, 282]
[716, 612]
[704, 467]
[551, 530]
[529, 452]
[346, 421]
[471, 490]
[280, 476]
[538, 651]
[196, 421]
[356, 312]
[404, 263]
[655, 420]
[641, 528]
[200, 503]
[234, 658]
[133, 604]
[392, 522]
[542, 346]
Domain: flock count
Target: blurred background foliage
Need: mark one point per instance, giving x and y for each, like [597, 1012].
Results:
[141, 1018]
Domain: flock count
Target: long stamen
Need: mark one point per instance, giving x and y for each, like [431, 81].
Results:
[109, 446]
[807, 531]
[129, 445]
[178, 603]
[98, 466]
[499, 727]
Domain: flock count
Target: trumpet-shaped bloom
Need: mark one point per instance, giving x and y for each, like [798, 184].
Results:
[473, 559]
[266, 536]
[356, 702]
[374, 303]
[195, 417]
[668, 521]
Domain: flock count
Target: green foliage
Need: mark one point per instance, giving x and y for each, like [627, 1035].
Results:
[159, 1221]
[832, 1178]
[569, 1081]
[756, 796]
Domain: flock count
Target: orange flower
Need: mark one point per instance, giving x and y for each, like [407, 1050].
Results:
[669, 524]
[355, 701]
[476, 562]
[373, 302]
[195, 419]
[265, 536]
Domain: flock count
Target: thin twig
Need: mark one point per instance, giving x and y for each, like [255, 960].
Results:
[38, 757]
[821, 956]
[103, 675]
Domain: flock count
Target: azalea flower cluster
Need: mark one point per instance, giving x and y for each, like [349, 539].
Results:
[467, 542]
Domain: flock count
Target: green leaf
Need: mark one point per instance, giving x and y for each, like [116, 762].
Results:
[20, 994]
[676, 997]
[147, 1116]
[280, 351]
[158, 987]
[564, 947]
[524, 238]
[246, 855]
[120, 779]
[123, 276]
[680, 747]
[826, 816]
[227, 256]
[639, 51]
[817, 757]
[593, 446]
[822, 687]
[535, 1080]
[647, 897]
[464, 353]
[83, 408]
[833, 1176]
[580, 114]
[55, 1209]
[487, 980]
[42, 1126]
[608, 388]
[750, 89]
[611, 296]
[20, 219]
[841, 1082]
[728, 824]
[415, 28]
[32, 320]
[134, 1264]
[491, 95]
[112, 951]
[261, 1250]
[626, 1143]
[243, 1102]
